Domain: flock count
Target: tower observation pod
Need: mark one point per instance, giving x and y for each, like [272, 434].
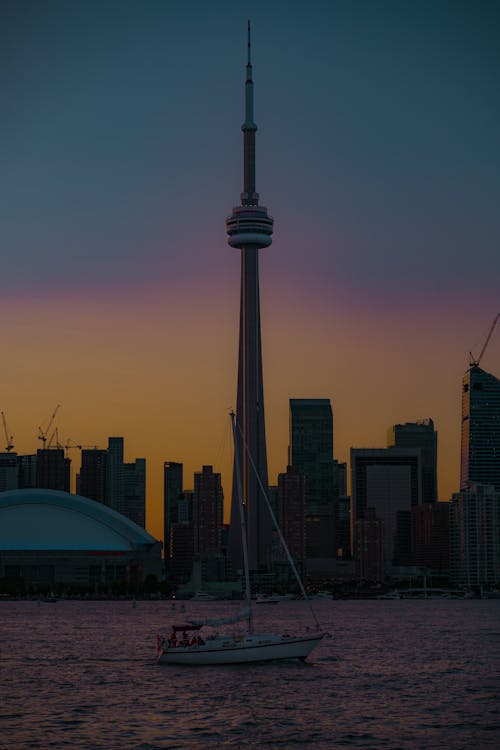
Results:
[250, 228]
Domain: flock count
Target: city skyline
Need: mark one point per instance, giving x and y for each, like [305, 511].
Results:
[378, 155]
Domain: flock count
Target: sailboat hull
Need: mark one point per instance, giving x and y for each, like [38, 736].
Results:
[242, 650]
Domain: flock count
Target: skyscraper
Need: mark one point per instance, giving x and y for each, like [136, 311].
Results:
[475, 536]
[52, 469]
[172, 488]
[421, 435]
[311, 453]
[92, 477]
[114, 474]
[249, 229]
[387, 480]
[208, 512]
[480, 454]
[291, 512]
[134, 491]
[9, 479]
[104, 477]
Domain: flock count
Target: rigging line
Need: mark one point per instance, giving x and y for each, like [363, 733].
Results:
[282, 539]
[244, 537]
[223, 443]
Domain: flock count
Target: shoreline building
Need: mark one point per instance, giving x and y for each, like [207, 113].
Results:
[430, 537]
[105, 477]
[172, 489]
[9, 471]
[420, 434]
[310, 452]
[51, 538]
[53, 469]
[208, 512]
[291, 512]
[475, 536]
[249, 229]
[480, 438]
[387, 480]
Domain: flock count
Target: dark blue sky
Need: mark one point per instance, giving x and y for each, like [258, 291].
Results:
[378, 150]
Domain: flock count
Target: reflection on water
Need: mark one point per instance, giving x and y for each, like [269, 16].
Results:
[396, 674]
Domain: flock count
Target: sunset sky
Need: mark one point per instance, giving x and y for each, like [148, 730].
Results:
[121, 150]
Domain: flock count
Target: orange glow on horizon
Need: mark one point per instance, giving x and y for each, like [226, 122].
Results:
[158, 366]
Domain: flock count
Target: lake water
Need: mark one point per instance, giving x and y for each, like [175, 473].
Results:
[395, 674]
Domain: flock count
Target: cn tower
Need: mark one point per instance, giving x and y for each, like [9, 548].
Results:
[249, 228]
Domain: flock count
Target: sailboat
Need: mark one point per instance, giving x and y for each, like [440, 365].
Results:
[238, 648]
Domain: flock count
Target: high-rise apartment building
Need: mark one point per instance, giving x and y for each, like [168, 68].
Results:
[369, 545]
[208, 508]
[249, 229]
[430, 537]
[182, 537]
[53, 469]
[105, 477]
[480, 449]
[388, 480]
[27, 471]
[291, 512]
[172, 488]
[92, 476]
[310, 452]
[343, 533]
[9, 479]
[134, 491]
[421, 435]
[114, 474]
[475, 536]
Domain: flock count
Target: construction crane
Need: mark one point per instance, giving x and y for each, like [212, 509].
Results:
[10, 444]
[42, 434]
[475, 362]
[55, 435]
[71, 445]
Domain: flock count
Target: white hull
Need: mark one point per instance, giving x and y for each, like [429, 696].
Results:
[256, 648]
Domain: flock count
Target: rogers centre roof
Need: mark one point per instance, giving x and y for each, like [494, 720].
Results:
[36, 519]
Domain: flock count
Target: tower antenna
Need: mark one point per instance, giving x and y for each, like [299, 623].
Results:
[249, 44]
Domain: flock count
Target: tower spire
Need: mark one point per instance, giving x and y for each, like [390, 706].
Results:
[249, 196]
[249, 63]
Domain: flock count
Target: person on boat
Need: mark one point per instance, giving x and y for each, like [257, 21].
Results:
[185, 639]
[172, 641]
[200, 641]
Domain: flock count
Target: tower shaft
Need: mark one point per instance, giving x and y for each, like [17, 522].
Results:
[250, 228]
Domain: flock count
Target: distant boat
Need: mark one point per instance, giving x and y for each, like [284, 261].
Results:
[249, 647]
[202, 596]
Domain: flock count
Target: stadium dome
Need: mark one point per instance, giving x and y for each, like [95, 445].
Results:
[48, 519]
[52, 535]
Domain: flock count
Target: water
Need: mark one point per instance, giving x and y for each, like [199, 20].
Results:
[396, 675]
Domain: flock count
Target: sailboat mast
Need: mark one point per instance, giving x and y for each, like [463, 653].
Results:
[243, 526]
[276, 526]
